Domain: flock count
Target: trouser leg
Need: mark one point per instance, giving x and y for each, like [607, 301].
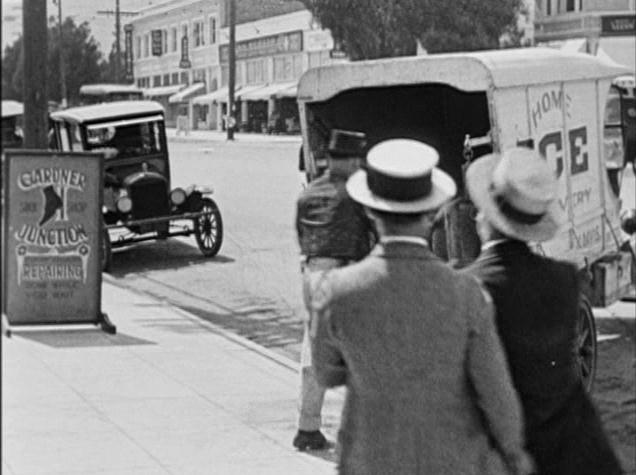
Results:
[312, 394]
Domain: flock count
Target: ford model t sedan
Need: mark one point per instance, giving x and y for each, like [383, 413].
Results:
[139, 203]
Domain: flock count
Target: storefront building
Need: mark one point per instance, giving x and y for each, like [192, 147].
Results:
[180, 58]
[599, 27]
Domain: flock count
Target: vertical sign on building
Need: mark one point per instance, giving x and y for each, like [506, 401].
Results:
[185, 60]
[52, 238]
[128, 43]
[157, 42]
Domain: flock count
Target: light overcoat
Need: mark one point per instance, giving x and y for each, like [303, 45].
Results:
[415, 343]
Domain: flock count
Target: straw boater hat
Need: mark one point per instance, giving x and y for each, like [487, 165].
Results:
[400, 177]
[517, 193]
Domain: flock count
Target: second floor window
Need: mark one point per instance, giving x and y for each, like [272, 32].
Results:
[146, 46]
[198, 33]
[212, 30]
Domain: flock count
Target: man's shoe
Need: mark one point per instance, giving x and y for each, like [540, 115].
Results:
[310, 440]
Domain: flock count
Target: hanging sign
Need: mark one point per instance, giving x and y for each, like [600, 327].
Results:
[185, 60]
[51, 238]
[128, 52]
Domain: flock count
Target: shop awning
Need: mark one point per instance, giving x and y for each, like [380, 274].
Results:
[246, 90]
[272, 90]
[266, 92]
[162, 90]
[289, 91]
[220, 95]
[621, 49]
[574, 45]
[184, 94]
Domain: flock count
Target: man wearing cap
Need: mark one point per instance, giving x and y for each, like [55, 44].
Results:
[537, 309]
[413, 340]
[333, 231]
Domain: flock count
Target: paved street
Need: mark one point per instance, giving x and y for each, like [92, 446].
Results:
[253, 286]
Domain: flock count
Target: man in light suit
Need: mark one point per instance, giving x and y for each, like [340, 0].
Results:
[537, 310]
[413, 340]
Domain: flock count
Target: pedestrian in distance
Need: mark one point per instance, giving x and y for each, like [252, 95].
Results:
[333, 231]
[414, 341]
[537, 309]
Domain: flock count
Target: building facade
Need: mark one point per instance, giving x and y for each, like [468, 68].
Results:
[599, 27]
[180, 52]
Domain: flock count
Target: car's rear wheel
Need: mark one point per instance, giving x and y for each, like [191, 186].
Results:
[586, 344]
[208, 228]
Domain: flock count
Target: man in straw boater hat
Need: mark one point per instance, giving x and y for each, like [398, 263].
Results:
[333, 231]
[537, 309]
[413, 340]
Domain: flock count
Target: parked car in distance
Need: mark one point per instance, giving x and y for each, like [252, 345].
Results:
[11, 112]
[138, 197]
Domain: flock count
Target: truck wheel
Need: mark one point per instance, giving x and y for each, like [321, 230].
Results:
[586, 344]
[208, 229]
[107, 252]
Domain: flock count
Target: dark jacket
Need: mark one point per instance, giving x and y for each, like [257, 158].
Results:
[537, 306]
[329, 223]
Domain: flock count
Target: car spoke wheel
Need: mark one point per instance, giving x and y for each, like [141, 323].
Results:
[208, 229]
[586, 344]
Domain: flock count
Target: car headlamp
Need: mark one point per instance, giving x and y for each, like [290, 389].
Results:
[124, 204]
[178, 196]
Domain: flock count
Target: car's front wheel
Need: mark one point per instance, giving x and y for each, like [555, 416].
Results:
[208, 229]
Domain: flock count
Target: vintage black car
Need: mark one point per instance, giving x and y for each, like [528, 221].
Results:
[139, 203]
[11, 112]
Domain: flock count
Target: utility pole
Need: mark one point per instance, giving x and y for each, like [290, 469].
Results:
[118, 14]
[63, 94]
[34, 47]
[231, 122]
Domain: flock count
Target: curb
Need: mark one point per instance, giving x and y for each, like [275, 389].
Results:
[242, 341]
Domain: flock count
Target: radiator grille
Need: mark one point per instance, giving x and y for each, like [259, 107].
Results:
[150, 199]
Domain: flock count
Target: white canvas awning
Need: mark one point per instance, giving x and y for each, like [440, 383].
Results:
[289, 91]
[162, 90]
[184, 94]
[621, 49]
[266, 92]
[240, 95]
[220, 95]
[574, 45]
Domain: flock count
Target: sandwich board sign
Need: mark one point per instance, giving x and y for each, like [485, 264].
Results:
[52, 238]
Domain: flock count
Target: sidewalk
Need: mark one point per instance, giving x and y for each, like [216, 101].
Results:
[168, 394]
[214, 135]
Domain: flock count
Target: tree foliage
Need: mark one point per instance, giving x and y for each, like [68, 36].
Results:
[369, 29]
[83, 62]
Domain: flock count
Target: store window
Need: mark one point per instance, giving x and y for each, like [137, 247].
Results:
[175, 78]
[184, 78]
[156, 80]
[212, 30]
[173, 45]
[166, 79]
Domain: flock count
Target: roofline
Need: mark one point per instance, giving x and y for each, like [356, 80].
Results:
[131, 108]
[471, 72]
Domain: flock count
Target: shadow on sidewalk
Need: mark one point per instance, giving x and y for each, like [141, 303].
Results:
[77, 338]
[159, 255]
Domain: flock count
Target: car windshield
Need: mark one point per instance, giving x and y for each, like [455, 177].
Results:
[126, 138]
